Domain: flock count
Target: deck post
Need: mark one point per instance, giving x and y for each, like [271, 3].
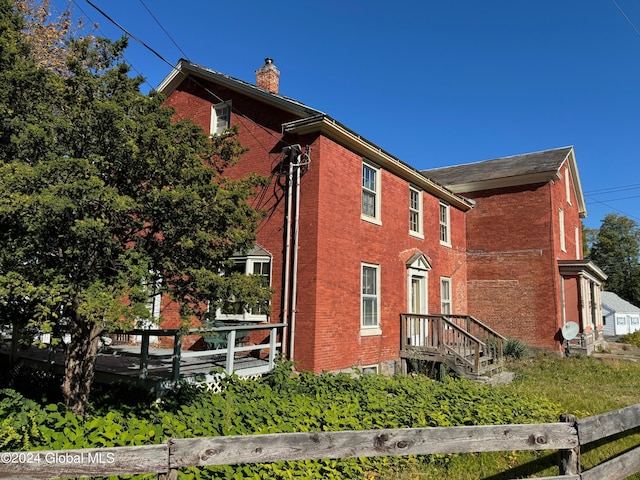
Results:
[569, 459]
[144, 355]
[231, 346]
[177, 349]
[272, 347]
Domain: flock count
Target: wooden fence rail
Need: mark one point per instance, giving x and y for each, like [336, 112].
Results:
[566, 436]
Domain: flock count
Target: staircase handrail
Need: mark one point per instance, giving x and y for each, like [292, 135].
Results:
[475, 365]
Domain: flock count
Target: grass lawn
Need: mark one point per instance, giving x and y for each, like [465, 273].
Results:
[582, 386]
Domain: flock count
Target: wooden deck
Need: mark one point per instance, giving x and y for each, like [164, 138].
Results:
[468, 347]
[160, 368]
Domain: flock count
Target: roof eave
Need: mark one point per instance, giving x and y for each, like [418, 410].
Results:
[504, 182]
[185, 68]
[331, 128]
[573, 167]
[584, 266]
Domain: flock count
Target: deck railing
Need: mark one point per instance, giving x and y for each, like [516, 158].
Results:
[229, 350]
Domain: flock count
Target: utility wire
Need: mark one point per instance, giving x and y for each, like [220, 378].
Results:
[129, 33]
[604, 191]
[635, 29]
[163, 29]
[103, 34]
[174, 67]
[616, 210]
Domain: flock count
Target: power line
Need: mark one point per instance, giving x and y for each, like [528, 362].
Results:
[617, 210]
[129, 33]
[173, 67]
[123, 56]
[604, 191]
[635, 29]
[163, 29]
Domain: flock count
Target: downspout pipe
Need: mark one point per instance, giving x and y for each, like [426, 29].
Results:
[294, 267]
[287, 257]
[297, 161]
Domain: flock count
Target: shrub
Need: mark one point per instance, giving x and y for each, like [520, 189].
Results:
[631, 338]
[516, 349]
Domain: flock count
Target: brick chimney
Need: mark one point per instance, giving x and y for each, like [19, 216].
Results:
[268, 76]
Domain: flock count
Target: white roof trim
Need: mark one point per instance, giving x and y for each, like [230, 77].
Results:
[340, 133]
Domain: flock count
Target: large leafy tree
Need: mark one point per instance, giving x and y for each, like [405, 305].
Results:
[104, 199]
[616, 250]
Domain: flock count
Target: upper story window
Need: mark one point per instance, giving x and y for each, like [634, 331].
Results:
[256, 263]
[415, 212]
[370, 297]
[370, 193]
[445, 225]
[220, 117]
[563, 245]
[567, 185]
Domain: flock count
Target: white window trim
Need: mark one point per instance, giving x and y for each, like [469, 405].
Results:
[567, 185]
[419, 232]
[446, 280]
[370, 330]
[578, 241]
[447, 224]
[370, 369]
[213, 130]
[563, 243]
[377, 218]
[249, 260]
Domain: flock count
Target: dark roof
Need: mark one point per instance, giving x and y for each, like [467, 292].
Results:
[547, 161]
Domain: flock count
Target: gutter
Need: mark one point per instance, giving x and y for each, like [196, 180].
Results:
[336, 131]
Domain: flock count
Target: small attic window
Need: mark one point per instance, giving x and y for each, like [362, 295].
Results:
[220, 117]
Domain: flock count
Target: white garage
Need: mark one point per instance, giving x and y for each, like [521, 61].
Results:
[619, 317]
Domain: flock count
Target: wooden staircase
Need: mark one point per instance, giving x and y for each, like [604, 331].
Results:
[464, 344]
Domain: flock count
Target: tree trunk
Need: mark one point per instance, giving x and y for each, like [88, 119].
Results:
[79, 362]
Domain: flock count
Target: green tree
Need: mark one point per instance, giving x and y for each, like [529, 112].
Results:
[615, 250]
[589, 236]
[104, 199]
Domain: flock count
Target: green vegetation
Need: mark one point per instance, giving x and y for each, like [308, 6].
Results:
[631, 339]
[282, 402]
[105, 196]
[516, 349]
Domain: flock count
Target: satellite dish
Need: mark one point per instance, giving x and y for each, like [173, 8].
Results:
[570, 330]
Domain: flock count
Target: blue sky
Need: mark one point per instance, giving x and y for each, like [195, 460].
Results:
[434, 83]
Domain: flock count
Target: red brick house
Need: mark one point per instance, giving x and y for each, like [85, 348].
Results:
[353, 236]
[526, 273]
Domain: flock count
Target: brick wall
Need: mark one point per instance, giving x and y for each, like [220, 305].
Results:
[334, 240]
[513, 239]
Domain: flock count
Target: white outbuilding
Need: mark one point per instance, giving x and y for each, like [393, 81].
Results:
[619, 317]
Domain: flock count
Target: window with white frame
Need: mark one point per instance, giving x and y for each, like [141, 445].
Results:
[445, 295]
[249, 265]
[415, 212]
[567, 186]
[370, 296]
[445, 227]
[220, 117]
[370, 192]
[563, 245]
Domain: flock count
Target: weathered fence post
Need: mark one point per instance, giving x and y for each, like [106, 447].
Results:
[170, 475]
[569, 461]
